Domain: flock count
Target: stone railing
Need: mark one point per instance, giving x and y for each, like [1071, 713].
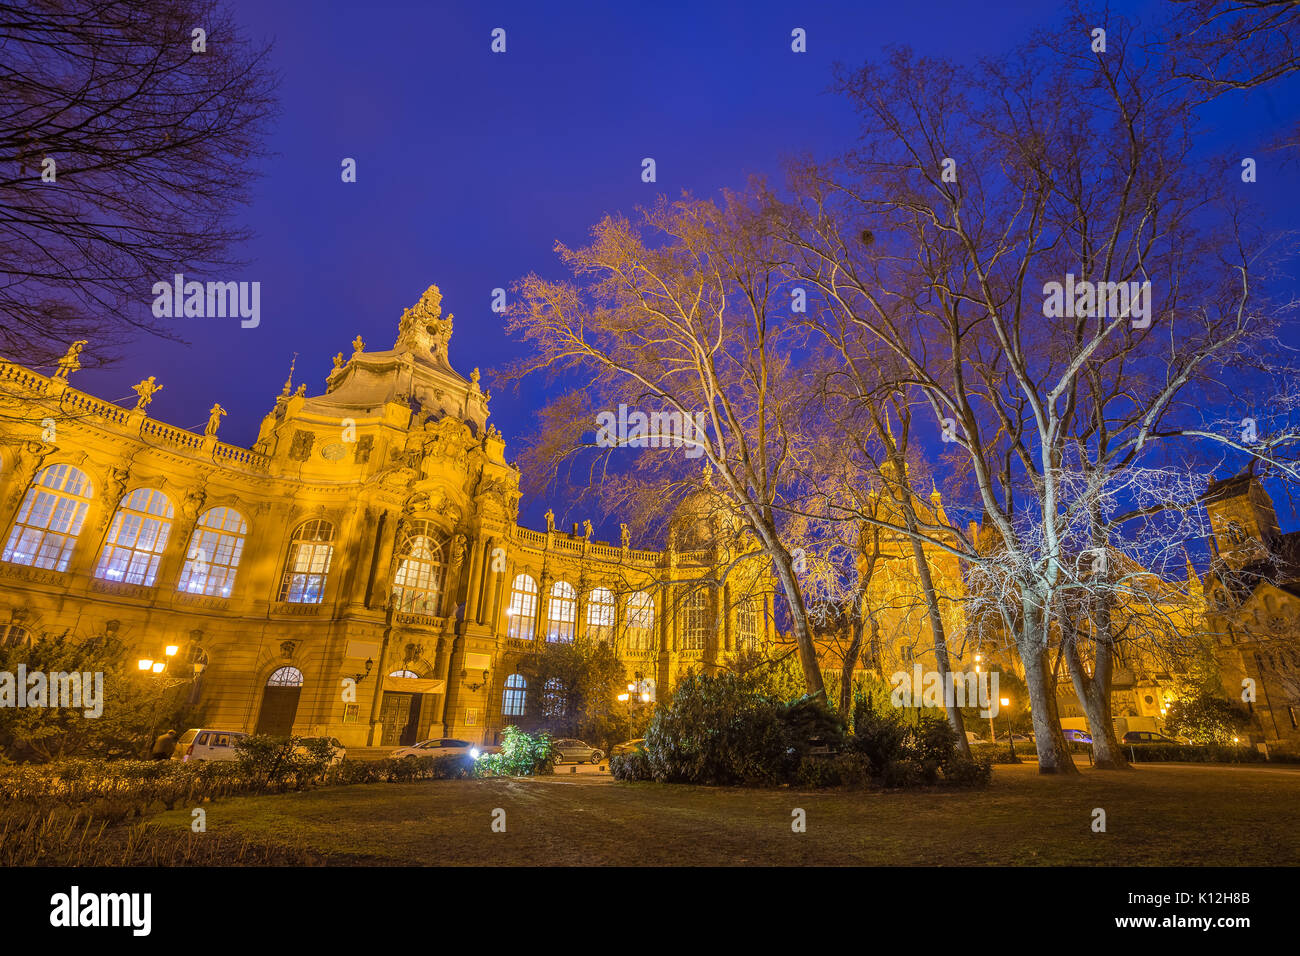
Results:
[79, 405]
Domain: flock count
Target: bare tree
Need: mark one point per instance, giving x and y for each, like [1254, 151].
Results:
[674, 317]
[972, 191]
[127, 151]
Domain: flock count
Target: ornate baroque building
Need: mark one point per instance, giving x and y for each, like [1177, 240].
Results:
[359, 572]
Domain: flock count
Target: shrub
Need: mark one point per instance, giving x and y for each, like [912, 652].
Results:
[880, 737]
[906, 772]
[631, 766]
[275, 761]
[522, 755]
[817, 772]
[854, 770]
[968, 772]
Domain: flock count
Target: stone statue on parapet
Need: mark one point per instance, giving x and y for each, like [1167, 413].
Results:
[71, 361]
[214, 421]
[145, 392]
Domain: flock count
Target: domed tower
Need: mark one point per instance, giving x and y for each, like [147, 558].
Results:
[705, 519]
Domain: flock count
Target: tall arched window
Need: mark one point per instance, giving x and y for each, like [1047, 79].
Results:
[640, 620]
[554, 699]
[308, 563]
[600, 614]
[561, 613]
[747, 625]
[215, 549]
[522, 611]
[514, 696]
[695, 620]
[136, 538]
[50, 518]
[417, 584]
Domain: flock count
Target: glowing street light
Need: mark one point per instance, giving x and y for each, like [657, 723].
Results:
[145, 663]
[171, 650]
[158, 666]
[1011, 740]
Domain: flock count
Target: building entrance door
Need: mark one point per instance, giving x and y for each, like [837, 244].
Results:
[400, 717]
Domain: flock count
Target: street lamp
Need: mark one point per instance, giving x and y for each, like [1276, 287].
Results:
[1011, 740]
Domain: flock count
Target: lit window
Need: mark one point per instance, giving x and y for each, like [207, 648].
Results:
[554, 702]
[562, 613]
[640, 620]
[512, 701]
[308, 563]
[696, 620]
[747, 625]
[285, 677]
[50, 518]
[600, 614]
[523, 607]
[418, 581]
[406, 674]
[136, 538]
[213, 557]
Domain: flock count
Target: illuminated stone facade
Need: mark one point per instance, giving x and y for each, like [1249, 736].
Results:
[370, 534]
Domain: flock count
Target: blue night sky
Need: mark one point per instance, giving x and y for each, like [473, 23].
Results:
[472, 164]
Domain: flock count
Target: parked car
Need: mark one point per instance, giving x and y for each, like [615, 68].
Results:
[1146, 737]
[204, 743]
[1076, 736]
[1018, 738]
[337, 750]
[440, 747]
[973, 738]
[576, 751]
[627, 747]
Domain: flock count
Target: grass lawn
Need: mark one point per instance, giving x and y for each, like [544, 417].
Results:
[1155, 814]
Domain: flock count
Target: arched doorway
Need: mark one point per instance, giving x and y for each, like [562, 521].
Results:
[280, 702]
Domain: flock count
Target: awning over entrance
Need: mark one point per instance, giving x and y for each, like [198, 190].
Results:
[414, 685]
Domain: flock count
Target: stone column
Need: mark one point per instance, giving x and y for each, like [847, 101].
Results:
[475, 583]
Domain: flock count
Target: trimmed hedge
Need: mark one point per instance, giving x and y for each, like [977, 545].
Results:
[1204, 753]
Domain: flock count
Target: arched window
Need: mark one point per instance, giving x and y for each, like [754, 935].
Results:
[600, 614]
[514, 696]
[562, 613]
[405, 673]
[417, 584]
[747, 625]
[50, 518]
[554, 699]
[522, 611]
[640, 620]
[14, 635]
[285, 677]
[136, 538]
[308, 563]
[215, 549]
[696, 620]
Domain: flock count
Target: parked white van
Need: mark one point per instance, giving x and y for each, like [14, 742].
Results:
[204, 743]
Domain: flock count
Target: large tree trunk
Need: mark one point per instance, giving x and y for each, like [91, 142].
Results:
[846, 668]
[936, 630]
[1094, 697]
[1053, 751]
[812, 671]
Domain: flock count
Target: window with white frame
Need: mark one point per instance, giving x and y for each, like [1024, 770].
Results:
[50, 518]
[417, 583]
[515, 696]
[640, 620]
[600, 614]
[136, 538]
[695, 620]
[522, 611]
[561, 613]
[216, 546]
[307, 566]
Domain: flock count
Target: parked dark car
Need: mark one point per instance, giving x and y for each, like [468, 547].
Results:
[1146, 737]
[1075, 736]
